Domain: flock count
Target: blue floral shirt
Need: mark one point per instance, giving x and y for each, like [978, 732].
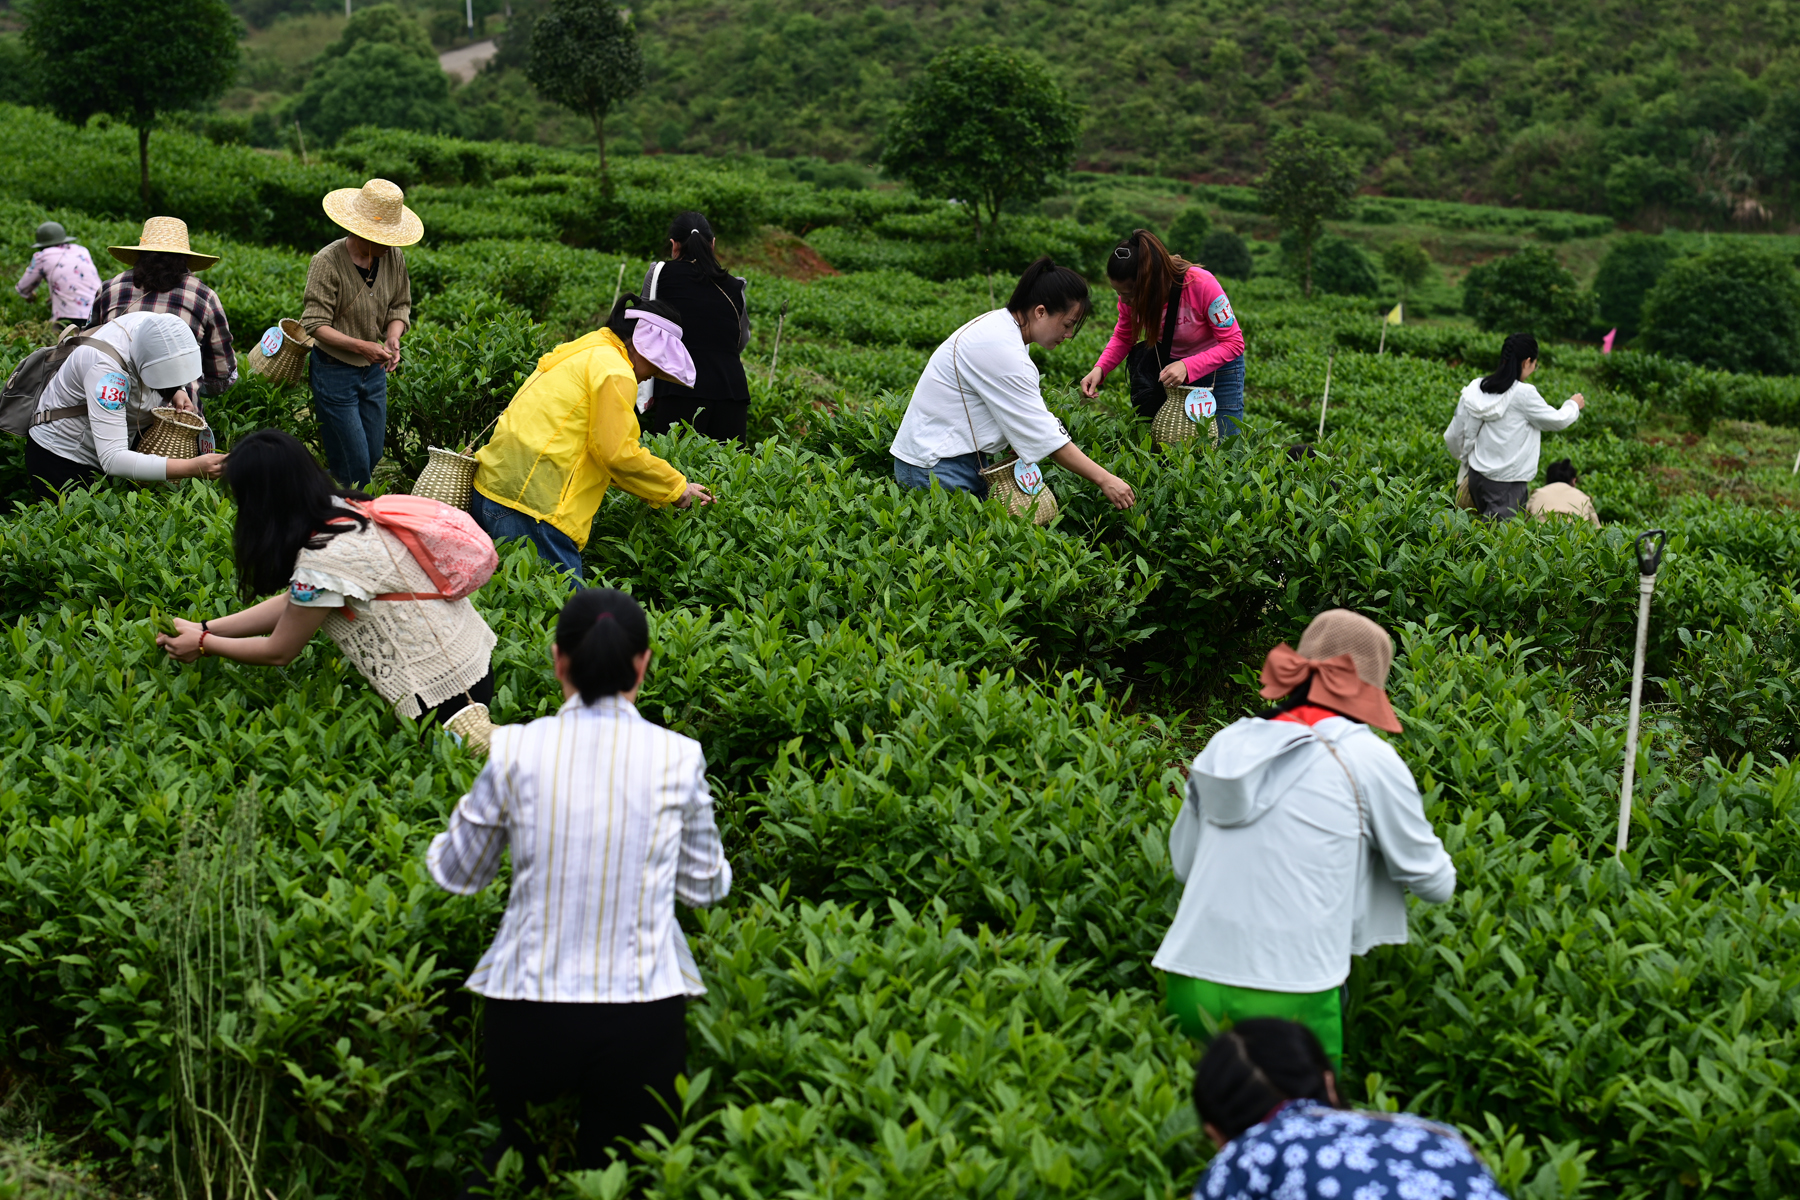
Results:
[1306, 1149]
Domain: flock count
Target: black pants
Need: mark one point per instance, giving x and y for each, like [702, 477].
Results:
[481, 693]
[51, 473]
[720, 420]
[1494, 500]
[619, 1058]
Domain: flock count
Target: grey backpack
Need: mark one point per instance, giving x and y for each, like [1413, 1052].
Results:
[19, 402]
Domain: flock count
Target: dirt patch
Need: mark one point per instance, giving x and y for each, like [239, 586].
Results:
[777, 252]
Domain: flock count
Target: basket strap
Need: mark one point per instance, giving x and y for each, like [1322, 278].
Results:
[955, 366]
[429, 624]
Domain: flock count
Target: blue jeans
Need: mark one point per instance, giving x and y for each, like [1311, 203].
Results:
[499, 521]
[1227, 384]
[959, 474]
[351, 404]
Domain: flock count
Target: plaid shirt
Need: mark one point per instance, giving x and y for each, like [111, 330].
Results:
[194, 303]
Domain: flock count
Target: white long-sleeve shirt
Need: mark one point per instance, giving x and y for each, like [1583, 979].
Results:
[1287, 876]
[1498, 434]
[610, 822]
[1000, 388]
[118, 406]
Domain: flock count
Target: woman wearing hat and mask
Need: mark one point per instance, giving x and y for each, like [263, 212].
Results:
[358, 303]
[97, 404]
[571, 432]
[67, 268]
[161, 280]
[1299, 835]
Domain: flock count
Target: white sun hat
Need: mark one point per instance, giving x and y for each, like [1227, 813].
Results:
[375, 212]
[164, 352]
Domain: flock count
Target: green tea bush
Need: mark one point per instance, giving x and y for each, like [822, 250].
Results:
[1734, 307]
[1528, 292]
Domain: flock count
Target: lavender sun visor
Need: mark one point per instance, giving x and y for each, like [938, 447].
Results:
[659, 340]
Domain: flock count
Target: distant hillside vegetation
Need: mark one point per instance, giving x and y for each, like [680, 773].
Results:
[1664, 110]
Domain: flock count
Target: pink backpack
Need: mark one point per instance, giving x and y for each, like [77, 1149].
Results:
[445, 541]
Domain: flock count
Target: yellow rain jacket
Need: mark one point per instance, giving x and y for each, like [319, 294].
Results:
[569, 434]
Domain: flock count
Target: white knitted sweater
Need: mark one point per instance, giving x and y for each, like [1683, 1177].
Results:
[408, 650]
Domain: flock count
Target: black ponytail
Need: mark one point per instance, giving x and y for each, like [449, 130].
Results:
[600, 631]
[1514, 351]
[1255, 1066]
[1058, 289]
[695, 234]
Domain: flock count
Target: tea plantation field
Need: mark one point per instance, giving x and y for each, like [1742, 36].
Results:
[947, 748]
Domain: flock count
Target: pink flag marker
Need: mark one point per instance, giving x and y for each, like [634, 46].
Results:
[1607, 341]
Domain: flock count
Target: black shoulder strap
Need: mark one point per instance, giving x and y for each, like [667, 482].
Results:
[58, 357]
[1171, 311]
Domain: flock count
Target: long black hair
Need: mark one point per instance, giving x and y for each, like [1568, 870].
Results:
[1251, 1068]
[1513, 352]
[695, 233]
[157, 271]
[625, 326]
[1144, 271]
[284, 502]
[1058, 289]
[600, 631]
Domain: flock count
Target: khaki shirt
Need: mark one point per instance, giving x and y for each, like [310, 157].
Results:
[1563, 500]
[337, 296]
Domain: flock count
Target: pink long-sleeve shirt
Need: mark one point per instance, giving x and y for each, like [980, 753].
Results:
[1206, 330]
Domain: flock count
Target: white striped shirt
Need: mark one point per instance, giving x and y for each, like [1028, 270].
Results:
[610, 822]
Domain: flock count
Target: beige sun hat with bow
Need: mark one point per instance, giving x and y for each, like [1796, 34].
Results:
[376, 212]
[163, 235]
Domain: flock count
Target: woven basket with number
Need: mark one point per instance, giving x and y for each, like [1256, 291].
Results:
[280, 354]
[1174, 423]
[1003, 485]
[174, 434]
[448, 476]
[474, 726]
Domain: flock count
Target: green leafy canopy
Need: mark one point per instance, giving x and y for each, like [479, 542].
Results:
[984, 126]
[1310, 181]
[585, 56]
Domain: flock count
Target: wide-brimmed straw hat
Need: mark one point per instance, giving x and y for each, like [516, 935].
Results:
[375, 212]
[163, 235]
[1345, 658]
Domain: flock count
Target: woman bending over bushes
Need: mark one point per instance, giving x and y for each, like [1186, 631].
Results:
[1269, 1102]
[610, 822]
[332, 567]
[981, 392]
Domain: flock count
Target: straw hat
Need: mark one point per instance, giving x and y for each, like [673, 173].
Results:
[163, 235]
[281, 352]
[375, 212]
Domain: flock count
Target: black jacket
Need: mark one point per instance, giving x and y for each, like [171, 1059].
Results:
[710, 315]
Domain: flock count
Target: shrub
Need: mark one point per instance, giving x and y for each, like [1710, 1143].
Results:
[1628, 271]
[376, 83]
[1527, 292]
[1227, 255]
[1341, 266]
[1734, 307]
[1189, 231]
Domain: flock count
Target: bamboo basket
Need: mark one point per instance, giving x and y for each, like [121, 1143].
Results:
[1023, 489]
[474, 726]
[448, 476]
[1181, 418]
[280, 354]
[174, 433]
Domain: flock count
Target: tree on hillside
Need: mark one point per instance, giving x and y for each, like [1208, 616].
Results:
[380, 23]
[1310, 181]
[984, 126]
[1630, 268]
[585, 57]
[1189, 230]
[1527, 292]
[133, 59]
[1735, 307]
[376, 83]
[1226, 255]
[1407, 262]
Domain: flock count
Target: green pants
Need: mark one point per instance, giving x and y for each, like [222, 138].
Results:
[1194, 1002]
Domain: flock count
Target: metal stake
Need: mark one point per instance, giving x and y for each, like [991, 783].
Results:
[1326, 398]
[1649, 559]
[775, 354]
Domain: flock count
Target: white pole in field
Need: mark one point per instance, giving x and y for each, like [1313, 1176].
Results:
[1648, 561]
[1382, 349]
[618, 285]
[775, 354]
[1326, 398]
[1796, 470]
